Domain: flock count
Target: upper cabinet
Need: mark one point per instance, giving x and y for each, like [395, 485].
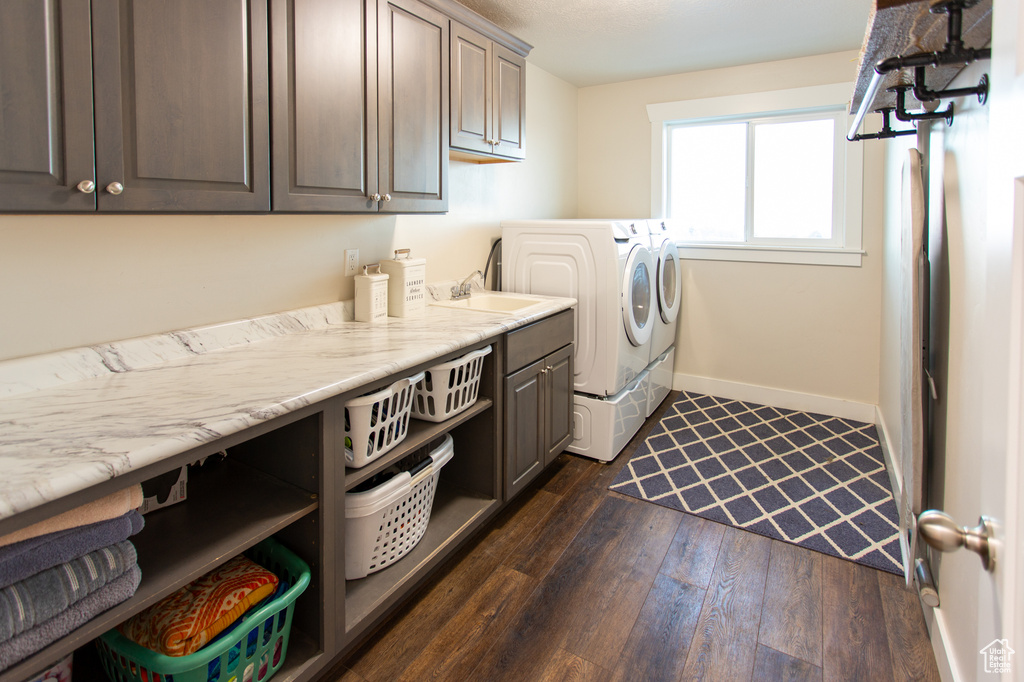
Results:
[360, 102]
[488, 96]
[178, 93]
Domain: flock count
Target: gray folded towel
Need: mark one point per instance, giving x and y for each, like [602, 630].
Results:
[28, 557]
[38, 598]
[108, 596]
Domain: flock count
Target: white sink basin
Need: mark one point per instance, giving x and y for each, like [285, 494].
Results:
[492, 303]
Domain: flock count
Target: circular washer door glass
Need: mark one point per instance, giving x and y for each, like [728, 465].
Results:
[638, 296]
[670, 282]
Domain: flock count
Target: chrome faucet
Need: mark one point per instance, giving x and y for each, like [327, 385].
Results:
[465, 288]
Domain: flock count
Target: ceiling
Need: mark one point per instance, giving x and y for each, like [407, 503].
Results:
[593, 42]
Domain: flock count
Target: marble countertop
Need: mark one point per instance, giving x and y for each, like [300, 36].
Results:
[73, 419]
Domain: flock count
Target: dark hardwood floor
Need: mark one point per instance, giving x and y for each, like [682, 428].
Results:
[575, 582]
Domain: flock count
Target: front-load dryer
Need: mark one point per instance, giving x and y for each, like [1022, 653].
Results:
[607, 267]
[668, 285]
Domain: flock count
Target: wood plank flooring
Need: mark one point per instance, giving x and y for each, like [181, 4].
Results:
[575, 582]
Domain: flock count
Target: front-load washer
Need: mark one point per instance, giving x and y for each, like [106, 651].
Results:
[606, 266]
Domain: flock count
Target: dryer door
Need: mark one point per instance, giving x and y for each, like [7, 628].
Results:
[669, 282]
[638, 296]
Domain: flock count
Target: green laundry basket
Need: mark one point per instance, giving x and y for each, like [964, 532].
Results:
[252, 652]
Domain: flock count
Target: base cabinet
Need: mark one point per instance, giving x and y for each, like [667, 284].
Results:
[538, 398]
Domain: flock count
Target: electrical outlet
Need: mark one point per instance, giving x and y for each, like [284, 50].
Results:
[351, 261]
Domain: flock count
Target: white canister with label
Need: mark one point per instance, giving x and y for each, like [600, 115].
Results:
[371, 295]
[408, 283]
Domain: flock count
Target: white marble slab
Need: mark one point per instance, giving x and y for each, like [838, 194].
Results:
[74, 419]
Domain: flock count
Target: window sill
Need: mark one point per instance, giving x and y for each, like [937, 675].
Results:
[770, 254]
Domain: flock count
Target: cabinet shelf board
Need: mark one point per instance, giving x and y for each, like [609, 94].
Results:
[454, 514]
[420, 433]
[229, 508]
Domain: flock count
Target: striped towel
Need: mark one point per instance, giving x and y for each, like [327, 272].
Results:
[183, 622]
[31, 602]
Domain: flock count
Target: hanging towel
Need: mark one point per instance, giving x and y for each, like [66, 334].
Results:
[28, 557]
[183, 622]
[35, 600]
[108, 596]
[109, 507]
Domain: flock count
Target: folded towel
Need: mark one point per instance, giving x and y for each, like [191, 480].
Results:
[28, 557]
[38, 598]
[109, 507]
[183, 622]
[108, 596]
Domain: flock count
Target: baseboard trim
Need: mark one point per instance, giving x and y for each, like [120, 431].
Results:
[893, 469]
[776, 397]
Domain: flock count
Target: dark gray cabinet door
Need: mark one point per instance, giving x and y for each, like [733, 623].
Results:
[324, 105]
[524, 427]
[471, 120]
[182, 105]
[412, 78]
[509, 108]
[558, 394]
[46, 125]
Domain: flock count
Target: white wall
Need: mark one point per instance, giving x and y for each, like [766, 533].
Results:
[77, 280]
[801, 328]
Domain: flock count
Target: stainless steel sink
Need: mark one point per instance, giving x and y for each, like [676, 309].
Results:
[492, 303]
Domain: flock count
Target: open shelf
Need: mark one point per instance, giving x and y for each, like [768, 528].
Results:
[453, 515]
[420, 433]
[230, 507]
[900, 27]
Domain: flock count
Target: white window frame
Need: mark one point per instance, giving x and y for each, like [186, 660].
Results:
[845, 249]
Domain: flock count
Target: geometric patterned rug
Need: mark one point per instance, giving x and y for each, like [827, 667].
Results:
[808, 479]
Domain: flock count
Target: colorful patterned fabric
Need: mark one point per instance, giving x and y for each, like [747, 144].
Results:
[183, 622]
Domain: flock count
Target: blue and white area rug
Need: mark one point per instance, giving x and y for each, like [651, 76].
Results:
[808, 479]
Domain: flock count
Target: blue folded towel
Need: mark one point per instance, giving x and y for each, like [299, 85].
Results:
[38, 598]
[108, 596]
[28, 557]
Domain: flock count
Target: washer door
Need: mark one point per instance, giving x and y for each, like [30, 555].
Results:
[638, 296]
[670, 282]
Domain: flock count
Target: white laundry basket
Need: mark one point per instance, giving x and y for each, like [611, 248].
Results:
[377, 422]
[449, 388]
[384, 523]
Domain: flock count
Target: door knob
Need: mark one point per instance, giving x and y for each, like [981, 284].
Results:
[941, 532]
[387, 197]
[115, 188]
[374, 197]
[86, 186]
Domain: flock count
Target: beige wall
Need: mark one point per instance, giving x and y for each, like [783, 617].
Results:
[76, 280]
[807, 329]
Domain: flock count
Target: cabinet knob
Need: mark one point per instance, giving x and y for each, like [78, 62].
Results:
[115, 188]
[374, 197]
[86, 186]
[387, 197]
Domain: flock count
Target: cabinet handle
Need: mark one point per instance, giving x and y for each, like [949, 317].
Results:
[115, 188]
[387, 197]
[374, 197]
[86, 186]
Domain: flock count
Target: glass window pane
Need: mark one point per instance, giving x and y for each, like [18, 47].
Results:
[708, 181]
[793, 179]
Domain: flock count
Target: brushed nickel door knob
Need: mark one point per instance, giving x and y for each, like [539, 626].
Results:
[86, 186]
[387, 197]
[941, 532]
[115, 188]
[374, 197]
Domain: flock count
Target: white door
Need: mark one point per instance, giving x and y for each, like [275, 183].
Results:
[981, 614]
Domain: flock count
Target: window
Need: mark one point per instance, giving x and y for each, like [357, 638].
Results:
[766, 177]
